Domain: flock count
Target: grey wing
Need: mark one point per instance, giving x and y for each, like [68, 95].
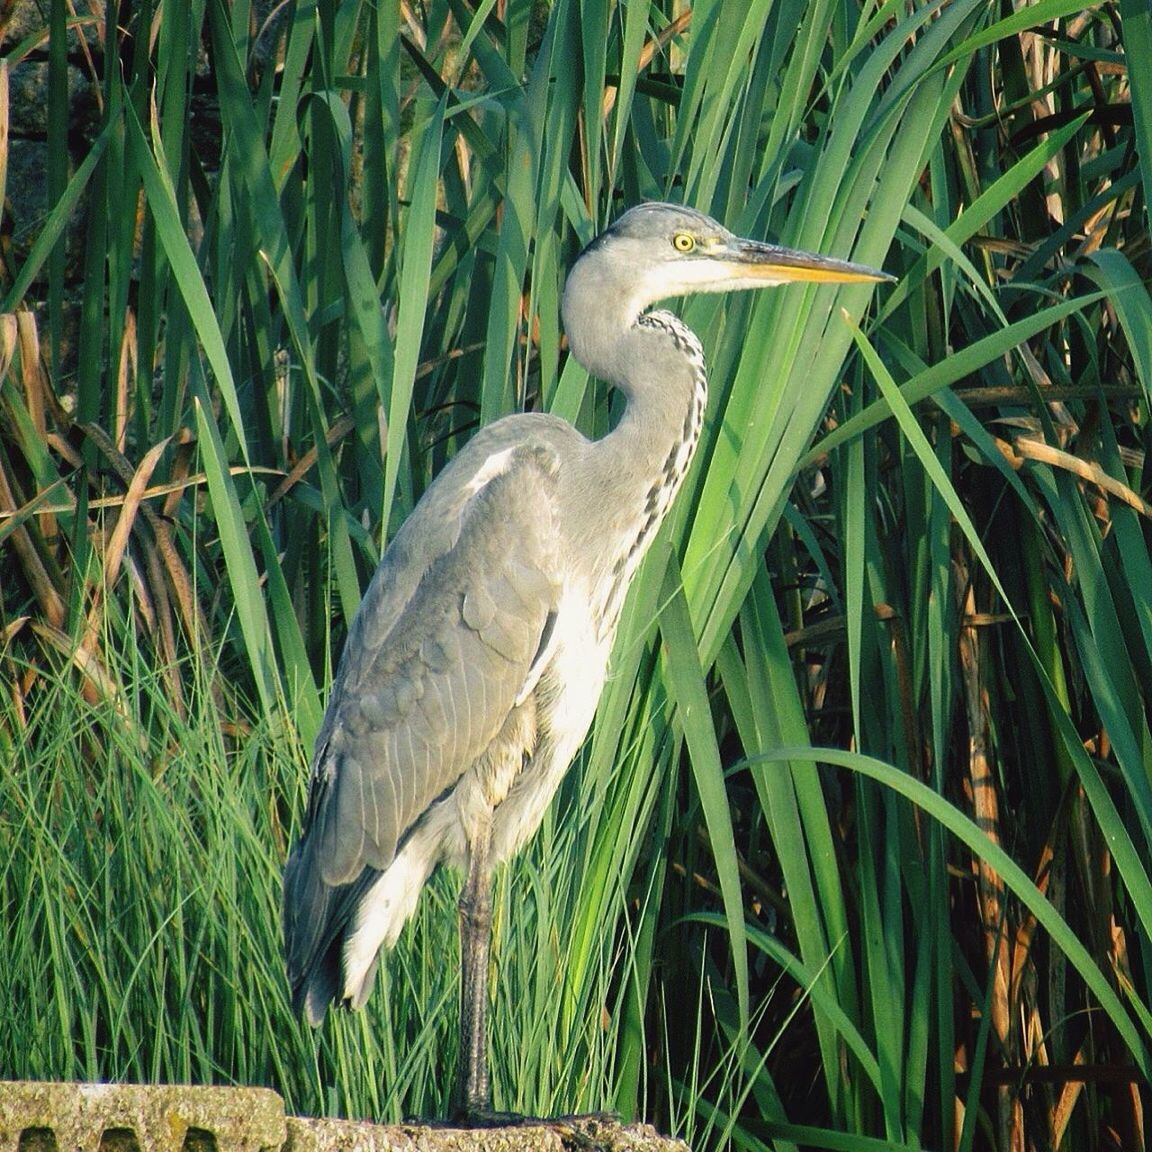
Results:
[448, 636]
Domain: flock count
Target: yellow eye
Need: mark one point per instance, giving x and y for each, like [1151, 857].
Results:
[682, 242]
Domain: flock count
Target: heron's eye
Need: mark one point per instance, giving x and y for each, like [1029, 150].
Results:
[682, 242]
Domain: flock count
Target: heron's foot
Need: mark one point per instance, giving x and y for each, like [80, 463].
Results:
[581, 1132]
[577, 1130]
[484, 1117]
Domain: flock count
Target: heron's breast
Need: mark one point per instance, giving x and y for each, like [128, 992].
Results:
[570, 686]
[565, 698]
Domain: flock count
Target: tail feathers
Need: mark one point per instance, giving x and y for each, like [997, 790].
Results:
[318, 988]
[317, 917]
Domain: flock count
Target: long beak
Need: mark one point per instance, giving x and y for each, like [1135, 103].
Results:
[772, 264]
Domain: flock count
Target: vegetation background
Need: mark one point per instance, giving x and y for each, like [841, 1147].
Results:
[857, 855]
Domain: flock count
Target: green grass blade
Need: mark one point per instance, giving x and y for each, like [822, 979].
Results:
[686, 683]
[965, 362]
[413, 284]
[1012, 874]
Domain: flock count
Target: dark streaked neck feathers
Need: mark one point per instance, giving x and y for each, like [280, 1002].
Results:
[657, 363]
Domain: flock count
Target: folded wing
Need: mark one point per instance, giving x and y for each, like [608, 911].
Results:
[446, 642]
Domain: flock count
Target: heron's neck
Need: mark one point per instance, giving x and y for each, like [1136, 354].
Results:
[647, 455]
[666, 389]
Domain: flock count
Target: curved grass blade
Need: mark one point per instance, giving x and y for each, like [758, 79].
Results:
[965, 362]
[1014, 877]
[57, 221]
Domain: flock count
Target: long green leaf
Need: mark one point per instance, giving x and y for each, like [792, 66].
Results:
[686, 683]
[969, 834]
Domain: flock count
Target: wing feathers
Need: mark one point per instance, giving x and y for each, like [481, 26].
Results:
[446, 640]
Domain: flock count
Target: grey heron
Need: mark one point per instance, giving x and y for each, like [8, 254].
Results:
[474, 665]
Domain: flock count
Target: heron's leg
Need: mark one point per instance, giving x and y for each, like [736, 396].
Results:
[472, 1096]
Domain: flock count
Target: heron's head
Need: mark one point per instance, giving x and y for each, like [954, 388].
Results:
[656, 251]
[668, 250]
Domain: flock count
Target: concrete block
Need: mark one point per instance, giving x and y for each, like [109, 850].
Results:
[52, 1117]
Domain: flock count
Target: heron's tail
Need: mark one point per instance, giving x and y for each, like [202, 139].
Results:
[317, 916]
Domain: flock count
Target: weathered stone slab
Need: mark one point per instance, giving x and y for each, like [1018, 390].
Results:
[50, 1117]
[577, 1135]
